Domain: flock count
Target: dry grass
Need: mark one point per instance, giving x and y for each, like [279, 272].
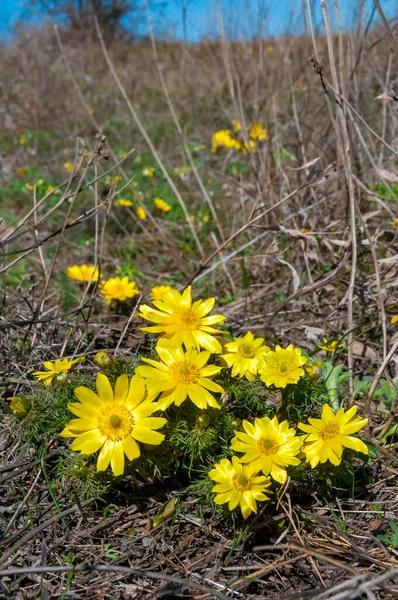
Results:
[328, 166]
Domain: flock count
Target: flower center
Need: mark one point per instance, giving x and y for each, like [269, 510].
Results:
[184, 372]
[187, 319]
[284, 368]
[115, 422]
[267, 446]
[246, 351]
[330, 430]
[240, 483]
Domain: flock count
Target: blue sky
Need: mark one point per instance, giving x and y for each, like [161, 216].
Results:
[240, 16]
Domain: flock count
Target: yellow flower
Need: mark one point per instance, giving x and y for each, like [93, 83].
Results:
[68, 166]
[161, 205]
[312, 368]
[29, 186]
[236, 125]
[159, 291]
[84, 273]
[331, 433]
[394, 319]
[395, 224]
[148, 172]
[120, 289]
[206, 219]
[283, 366]
[49, 189]
[22, 139]
[123, 202]
[140, 213]
[269, 446]
[237, 484]
[20, 172]
[113, 421]
[245, 355]
[224, 138]
[103, 359]
[180, 376]
[115, 179]
[182, 322]
[53, 368]
[258, 132]
[330, 346]
[249, 146]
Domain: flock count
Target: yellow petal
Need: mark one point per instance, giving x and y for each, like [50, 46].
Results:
[104, 388]
[131, 448]
[121, 388]
[117, 460]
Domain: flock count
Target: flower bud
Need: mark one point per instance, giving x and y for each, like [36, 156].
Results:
[20, 406]
[202, 421]
[103, 359]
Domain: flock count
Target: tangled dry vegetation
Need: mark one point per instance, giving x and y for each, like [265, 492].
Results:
[297, 241]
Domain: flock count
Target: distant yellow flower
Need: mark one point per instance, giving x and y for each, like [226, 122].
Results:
[53, 368]
[84, 273]
[140, 213]
[269, 446]
[223, 138]
[103, 359]
[161, 205]
[68, 166]
[394, 319]
[49, 189]
[258, 132]
[112, 421]
[237, 484]
[29, 186]
[119, 289]
[159, 291]
[40, 181]
[249, 146]
[312, 368]
[245, 355]
[236, 125]
[22, 139]
[283, 366]
[330, 346]
[206, 219]
[20, 172]
[181, 375]
[395, 224]
[148, 172]
[182, 322]
[123, 202]
[115, 179]
[331, 433]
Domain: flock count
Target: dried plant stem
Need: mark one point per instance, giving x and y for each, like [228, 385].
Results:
[148, 140]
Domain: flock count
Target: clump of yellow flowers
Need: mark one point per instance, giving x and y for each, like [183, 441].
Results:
[225, 138]
[191, 351]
